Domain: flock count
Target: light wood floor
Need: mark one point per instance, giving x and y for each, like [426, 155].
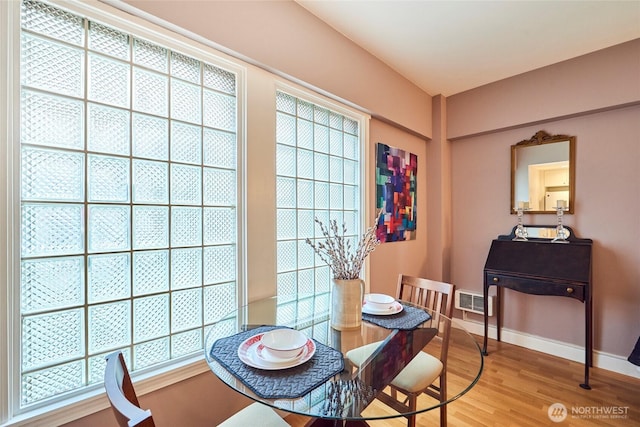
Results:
[517, 387]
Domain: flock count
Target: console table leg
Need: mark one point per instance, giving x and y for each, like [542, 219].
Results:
[486, 319]
[498, 311]
[588, 339]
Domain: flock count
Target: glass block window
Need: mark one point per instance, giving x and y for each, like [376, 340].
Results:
[128, 200]
[318, 171]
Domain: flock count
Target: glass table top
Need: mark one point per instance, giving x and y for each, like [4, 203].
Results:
[347, 394]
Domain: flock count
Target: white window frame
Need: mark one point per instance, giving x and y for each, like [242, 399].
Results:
[91, 399]
[364, 208]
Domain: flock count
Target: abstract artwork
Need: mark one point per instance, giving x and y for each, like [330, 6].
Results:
[396, 172]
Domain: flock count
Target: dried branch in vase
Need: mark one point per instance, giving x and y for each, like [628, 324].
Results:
[336, 250]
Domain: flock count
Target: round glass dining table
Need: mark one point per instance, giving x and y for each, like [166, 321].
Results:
[322, 383]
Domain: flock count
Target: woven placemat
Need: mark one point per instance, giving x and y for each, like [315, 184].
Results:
[409, 318]
[279, 384]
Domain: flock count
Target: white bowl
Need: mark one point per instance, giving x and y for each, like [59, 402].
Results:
[284, 343]
[379, 301]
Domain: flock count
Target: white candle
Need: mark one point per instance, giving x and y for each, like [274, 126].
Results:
[562, 204]
[520, 205]
[526, 205]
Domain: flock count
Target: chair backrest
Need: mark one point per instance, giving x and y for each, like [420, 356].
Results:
[124, 402]
[433, 295]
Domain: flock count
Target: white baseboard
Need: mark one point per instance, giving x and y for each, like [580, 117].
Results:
[601, 359]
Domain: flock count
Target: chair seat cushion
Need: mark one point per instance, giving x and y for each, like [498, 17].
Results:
[358, 355]
[421, 372]
[255, 414]
[416, 376]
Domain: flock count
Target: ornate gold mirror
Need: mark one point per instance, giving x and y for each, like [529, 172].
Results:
[543, 174]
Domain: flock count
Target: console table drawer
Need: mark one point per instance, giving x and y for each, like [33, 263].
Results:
[537, 286]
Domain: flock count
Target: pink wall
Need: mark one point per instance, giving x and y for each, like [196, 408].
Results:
[200, 401]
[409, 257]
[439, 196]
[607, 202]
[604, 79]
[283, 36]
[600, 105]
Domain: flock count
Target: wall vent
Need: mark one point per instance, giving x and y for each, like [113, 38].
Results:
[473, 302]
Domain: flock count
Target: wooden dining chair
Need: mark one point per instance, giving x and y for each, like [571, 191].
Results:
[121, 394]
[421, 373]
[125, 405]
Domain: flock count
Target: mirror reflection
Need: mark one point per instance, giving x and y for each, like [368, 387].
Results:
[542, 232]
[542, 173]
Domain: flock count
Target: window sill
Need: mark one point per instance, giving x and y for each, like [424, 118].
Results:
[96, 400]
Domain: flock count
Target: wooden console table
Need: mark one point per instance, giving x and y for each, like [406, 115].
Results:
[541, 267]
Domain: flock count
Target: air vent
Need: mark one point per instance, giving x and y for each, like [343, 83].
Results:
[473, 302]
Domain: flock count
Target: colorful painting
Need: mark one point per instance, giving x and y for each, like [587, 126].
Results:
[396, 172]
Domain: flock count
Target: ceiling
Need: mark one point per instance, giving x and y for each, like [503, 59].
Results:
[447, 47]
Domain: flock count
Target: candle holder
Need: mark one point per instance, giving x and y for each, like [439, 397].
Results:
[521, 232]
[561, 232]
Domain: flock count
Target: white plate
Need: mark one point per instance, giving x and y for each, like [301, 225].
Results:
[263, 353]
[252, 353]
[395, 308]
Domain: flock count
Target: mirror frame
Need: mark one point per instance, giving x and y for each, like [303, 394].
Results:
[541, 137]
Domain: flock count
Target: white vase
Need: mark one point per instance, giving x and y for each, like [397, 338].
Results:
[346, 303]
